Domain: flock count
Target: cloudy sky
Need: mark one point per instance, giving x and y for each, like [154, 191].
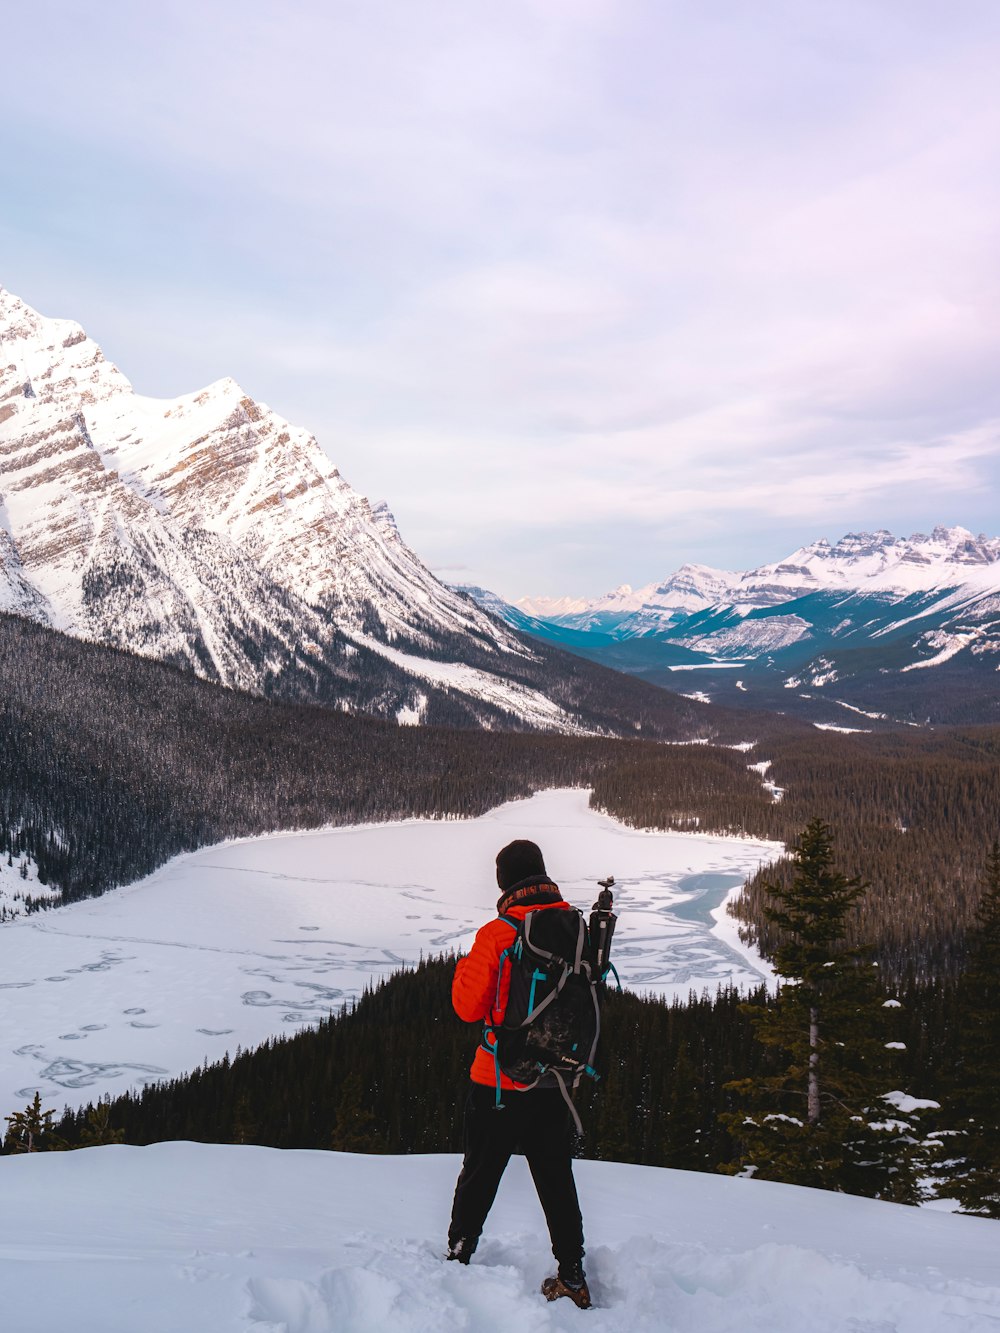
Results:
[582, 288]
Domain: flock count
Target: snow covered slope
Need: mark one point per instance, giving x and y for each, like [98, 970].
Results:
[196, 1238]
[849, 619]
[208, 531]
[237, 943]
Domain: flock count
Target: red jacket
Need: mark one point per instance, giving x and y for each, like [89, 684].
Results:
[474, 989]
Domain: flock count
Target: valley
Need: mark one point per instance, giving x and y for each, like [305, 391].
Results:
[897, 631]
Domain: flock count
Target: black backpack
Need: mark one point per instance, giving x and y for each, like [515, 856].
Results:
[552, 1023]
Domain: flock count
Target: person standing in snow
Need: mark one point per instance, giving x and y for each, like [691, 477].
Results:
[534, 1120]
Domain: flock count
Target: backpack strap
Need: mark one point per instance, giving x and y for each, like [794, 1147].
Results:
[569, 1101]
[489, 1030]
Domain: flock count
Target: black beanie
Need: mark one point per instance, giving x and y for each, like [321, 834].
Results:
[518, 860]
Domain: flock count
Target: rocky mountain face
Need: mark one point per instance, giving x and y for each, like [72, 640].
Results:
[210, 533]
[900, 626]
[205, 530]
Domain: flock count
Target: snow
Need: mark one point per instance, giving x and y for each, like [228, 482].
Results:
[751, 636]
[948, 646]
[521, 700]
[195, 1238]
[846, 731]
[691, 588]
[902, 1101]
[14, 886]
[951, 561]
[707, 666]
[411, 716]
[852, 708]
[763, 768]
[234, 943]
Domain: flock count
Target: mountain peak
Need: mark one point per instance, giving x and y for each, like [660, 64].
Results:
[205, 529]
[875, 561]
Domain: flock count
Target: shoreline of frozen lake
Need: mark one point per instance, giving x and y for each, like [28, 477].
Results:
[240, 941]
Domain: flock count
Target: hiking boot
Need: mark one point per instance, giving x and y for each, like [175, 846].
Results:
[568, 1282]
[461, 1250]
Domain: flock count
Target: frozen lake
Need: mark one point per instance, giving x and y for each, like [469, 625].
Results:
[232, 944]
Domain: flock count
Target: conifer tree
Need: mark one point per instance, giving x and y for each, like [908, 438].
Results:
[30, 1130]
[354, 1128]
[821, 1118]
[682, 1122]
[244, 1122]
[977, 1090]
[98, 1129]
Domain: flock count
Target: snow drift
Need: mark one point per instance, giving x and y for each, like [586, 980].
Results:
[189, 1238]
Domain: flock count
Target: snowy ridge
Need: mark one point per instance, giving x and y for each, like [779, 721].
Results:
[638, 610]
[210, 1238]
[205, 530]
[858, 562]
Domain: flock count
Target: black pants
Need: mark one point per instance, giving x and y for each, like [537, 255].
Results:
[537, 1123]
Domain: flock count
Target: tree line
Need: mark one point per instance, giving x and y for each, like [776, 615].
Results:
[813, 1085]
[915, 814]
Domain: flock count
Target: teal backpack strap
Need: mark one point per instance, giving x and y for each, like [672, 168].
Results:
[489, 1030]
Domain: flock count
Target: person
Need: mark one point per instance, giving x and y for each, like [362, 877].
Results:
[536, 1120]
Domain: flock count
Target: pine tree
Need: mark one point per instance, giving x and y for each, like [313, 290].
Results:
[821, 1119]
[98, 1129]
[354, 1128]
[30, 1130]
[682, 1122]
[977, 1082]
[244, 1121]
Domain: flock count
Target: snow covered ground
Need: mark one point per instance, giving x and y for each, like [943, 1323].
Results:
[192, 1238]
[15, 887]
[234, 943]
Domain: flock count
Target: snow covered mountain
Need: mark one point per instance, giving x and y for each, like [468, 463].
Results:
[866, 616]
[858, 562]
[209, 532]
[627, 612]
[204, 530]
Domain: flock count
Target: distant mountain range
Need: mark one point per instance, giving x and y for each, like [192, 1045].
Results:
[208, 532]
[906, 627]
